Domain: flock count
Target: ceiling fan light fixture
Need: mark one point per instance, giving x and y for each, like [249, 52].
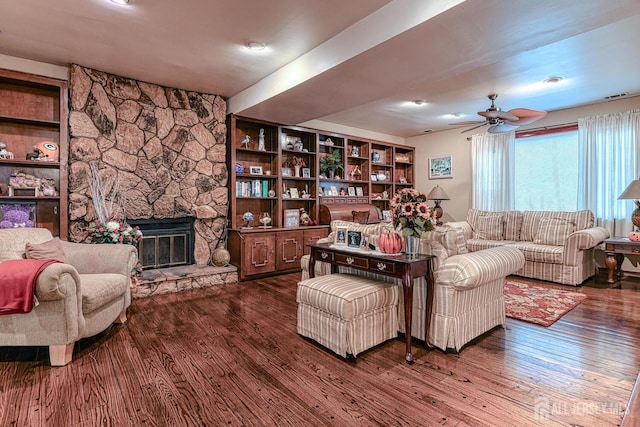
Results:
[255, 45]
[552, 80]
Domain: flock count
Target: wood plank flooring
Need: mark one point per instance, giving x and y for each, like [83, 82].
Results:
[230, 355]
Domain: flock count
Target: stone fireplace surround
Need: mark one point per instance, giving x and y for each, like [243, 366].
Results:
[165, 147]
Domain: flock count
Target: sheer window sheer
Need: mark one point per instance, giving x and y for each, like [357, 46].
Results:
[492, 157]
[608, 163]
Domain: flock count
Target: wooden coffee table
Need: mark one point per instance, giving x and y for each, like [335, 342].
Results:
[616, 248]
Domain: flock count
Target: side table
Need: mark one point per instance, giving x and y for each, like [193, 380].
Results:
[616, 248]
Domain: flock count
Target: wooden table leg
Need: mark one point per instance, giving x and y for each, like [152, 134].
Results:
[613, 261]
[312, 264]
[429, 308]
[407, 287]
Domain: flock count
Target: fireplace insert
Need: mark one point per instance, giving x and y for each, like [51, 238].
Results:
[165, 242]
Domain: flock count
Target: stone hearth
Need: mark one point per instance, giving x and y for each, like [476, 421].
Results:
[176, 279]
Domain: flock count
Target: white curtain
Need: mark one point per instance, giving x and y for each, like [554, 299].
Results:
[492, 160]
[608, 162]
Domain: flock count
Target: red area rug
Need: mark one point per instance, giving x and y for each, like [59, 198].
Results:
[537, 304]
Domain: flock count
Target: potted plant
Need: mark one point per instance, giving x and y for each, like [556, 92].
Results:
[330, 163]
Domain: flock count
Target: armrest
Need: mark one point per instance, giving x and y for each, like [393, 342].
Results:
[101, 258]
[476, 268]
[587, 238]
[583, 240]
[58, 281]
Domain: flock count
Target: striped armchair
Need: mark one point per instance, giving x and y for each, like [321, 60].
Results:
[469, 287]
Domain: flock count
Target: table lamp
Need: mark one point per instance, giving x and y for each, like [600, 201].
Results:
[633, 192]
[437, 194]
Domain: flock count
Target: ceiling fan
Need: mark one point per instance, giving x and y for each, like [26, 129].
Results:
[505, 121]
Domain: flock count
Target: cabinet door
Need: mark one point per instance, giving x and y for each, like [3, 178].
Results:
[289, 249]
[48, 216]
[258, 254]
[311, 236]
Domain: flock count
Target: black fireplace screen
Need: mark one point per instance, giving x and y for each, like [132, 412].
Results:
[165, 242]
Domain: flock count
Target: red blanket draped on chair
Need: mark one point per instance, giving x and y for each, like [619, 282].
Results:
[18, 284]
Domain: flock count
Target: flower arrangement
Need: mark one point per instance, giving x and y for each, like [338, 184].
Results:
[410, 212]
[114, 230]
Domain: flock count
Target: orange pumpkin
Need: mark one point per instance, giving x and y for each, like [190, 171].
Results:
[390, 243]
[634, 236]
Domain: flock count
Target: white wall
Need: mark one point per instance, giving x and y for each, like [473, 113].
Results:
[454, 143]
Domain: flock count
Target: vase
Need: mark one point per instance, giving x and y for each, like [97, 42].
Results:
[297, 171]
[411, 244]
[332, 173]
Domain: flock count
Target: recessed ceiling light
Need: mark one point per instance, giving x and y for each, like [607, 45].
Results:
[419, 101]
[457, 115]
[121, 1]
[255, 45]
[551, 80]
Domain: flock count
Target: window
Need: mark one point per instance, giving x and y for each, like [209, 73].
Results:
[546, 170]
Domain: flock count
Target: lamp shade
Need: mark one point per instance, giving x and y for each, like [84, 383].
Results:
[632, 191]
[437, 193]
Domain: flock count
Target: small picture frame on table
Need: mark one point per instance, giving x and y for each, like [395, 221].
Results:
[364, 243]
[359, 191]
[294, 193]
[351, 191]
[374, 177]
[255, 170]
[386, 215]
[306, 172]
[340, 238]
[333, 190]
[354, 238]
[286, 171]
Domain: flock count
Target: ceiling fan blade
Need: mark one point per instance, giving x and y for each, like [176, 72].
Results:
[475, 127]
[502, 127]
[502, 115]
[467, 123]
[525, 116]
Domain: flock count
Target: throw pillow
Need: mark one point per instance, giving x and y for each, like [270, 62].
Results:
[51, 249]
[489, 227]
[553, 231]
[361, 217]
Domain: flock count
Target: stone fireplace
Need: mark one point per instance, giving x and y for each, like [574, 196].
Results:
[165, 243]
[164, 149]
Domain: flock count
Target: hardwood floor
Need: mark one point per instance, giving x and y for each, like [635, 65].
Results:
[230, 355]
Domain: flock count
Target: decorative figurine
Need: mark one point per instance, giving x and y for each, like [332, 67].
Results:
[4, 154]
[375, 157]
[354, 151]
[245, 141]
[261, 146]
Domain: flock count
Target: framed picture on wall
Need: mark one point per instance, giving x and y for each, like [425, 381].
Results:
[441, 167]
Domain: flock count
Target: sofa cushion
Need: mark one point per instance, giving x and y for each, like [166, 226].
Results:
[100, 289]
[546, 254]
[531, 221]
[512, 225]
[346, 295]
[553, 231]
[489, 227]
[51, 249]
[475, 245]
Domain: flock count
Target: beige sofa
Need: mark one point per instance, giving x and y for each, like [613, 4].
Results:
[76, 300]
[469, 287]
[557, 246]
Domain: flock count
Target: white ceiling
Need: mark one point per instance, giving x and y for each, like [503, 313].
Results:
[355, 63]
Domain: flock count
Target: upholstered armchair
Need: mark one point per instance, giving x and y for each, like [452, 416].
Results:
[78, 298]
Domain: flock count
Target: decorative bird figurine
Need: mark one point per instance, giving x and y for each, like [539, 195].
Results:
[245, 141]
